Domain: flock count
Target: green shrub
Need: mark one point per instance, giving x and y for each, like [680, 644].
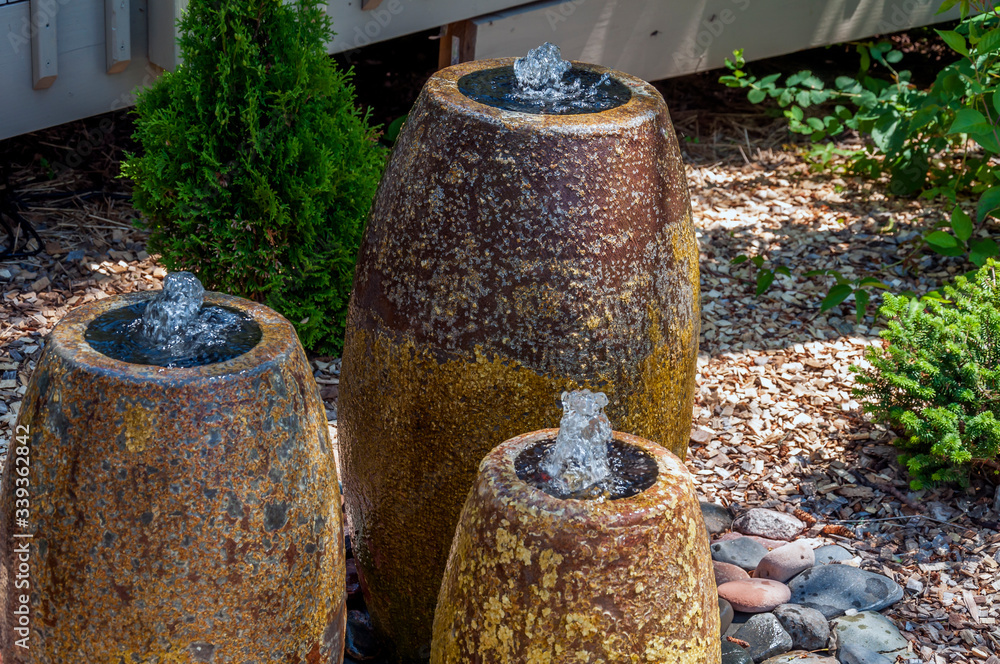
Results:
[937, 381]
[258, 170]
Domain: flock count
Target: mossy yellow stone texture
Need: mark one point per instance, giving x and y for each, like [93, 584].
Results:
[533, 578]
[508, 257]
[176, 515]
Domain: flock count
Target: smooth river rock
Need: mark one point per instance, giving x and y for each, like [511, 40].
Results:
[768, 523]
[800, 657]
[725, 615]
[726, 572]
[808, 628]
[855, 654]
[765, 635]
[742, 552]
[831, 553]
[871, 630]
[734, 654]
[754, 595]
[717, 518]
[785, 562]
[833, 589]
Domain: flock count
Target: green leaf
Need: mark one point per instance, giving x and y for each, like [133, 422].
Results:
[782, 269]
[796, 113]
[988, 203]
[764, 280]
[955, 41]
[989, 42]
[961, 224]
[814, 273]
[758, 261]
[837, 294]
[985, 247]
[739, 260]
[886, 133]
[893, 56]
[942, 240]
[966, 119]
[860, 304]
[756, 96]
[996, 100]
[946, 5]
[873, 283]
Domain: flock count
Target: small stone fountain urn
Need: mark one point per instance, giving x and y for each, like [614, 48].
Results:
[172, 514]
[536, 578]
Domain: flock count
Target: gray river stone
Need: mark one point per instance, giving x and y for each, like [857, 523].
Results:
[871, 630]
[768, 523]
[855, 654]
[831, 553]
[833, 589]
[765, 635]
[734, 654]
[716, 517]
[808, 628]
[742, 552]
[725, 615]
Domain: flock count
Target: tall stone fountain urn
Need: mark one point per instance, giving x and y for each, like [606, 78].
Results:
[171, 514]
[537, 578]
[509, 256]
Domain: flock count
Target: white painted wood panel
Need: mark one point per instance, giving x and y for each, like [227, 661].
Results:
[656, 39]
[83, 87]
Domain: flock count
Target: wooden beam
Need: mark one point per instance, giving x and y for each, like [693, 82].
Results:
[368, 5]
[44, 46]
[117, 35]
[458, 43]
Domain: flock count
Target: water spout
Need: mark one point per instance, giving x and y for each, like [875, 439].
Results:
[544, 78]
[174, 329]
[579, 458]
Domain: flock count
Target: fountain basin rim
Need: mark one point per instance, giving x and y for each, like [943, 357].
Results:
[277, 341]
[645, 101]
[499, 477]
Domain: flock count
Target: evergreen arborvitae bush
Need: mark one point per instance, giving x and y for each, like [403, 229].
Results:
[258, 170]
[937, 380]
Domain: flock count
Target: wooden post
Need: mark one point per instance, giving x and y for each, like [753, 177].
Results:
[44, 46]
[117, 35]
[458, 44]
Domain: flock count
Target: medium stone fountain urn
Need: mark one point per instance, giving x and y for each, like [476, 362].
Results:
[154, 514]
[535, 578]
[509, 256]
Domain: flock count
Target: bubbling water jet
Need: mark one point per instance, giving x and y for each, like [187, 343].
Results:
[543, 83]
[174, 329]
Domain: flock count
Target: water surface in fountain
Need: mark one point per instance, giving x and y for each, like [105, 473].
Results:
[174, 329]
[584, 461]
[543, 83]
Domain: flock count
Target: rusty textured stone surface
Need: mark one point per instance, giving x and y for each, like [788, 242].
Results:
[535, 579]
[178, 515]
[508, 257]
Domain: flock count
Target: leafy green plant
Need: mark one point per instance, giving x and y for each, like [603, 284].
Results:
[843, 288]
[937, 380]
[940, 141]
[258, 170]
[765, 275]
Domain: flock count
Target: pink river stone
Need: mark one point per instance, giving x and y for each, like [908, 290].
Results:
[755, 595]
[726, 572]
